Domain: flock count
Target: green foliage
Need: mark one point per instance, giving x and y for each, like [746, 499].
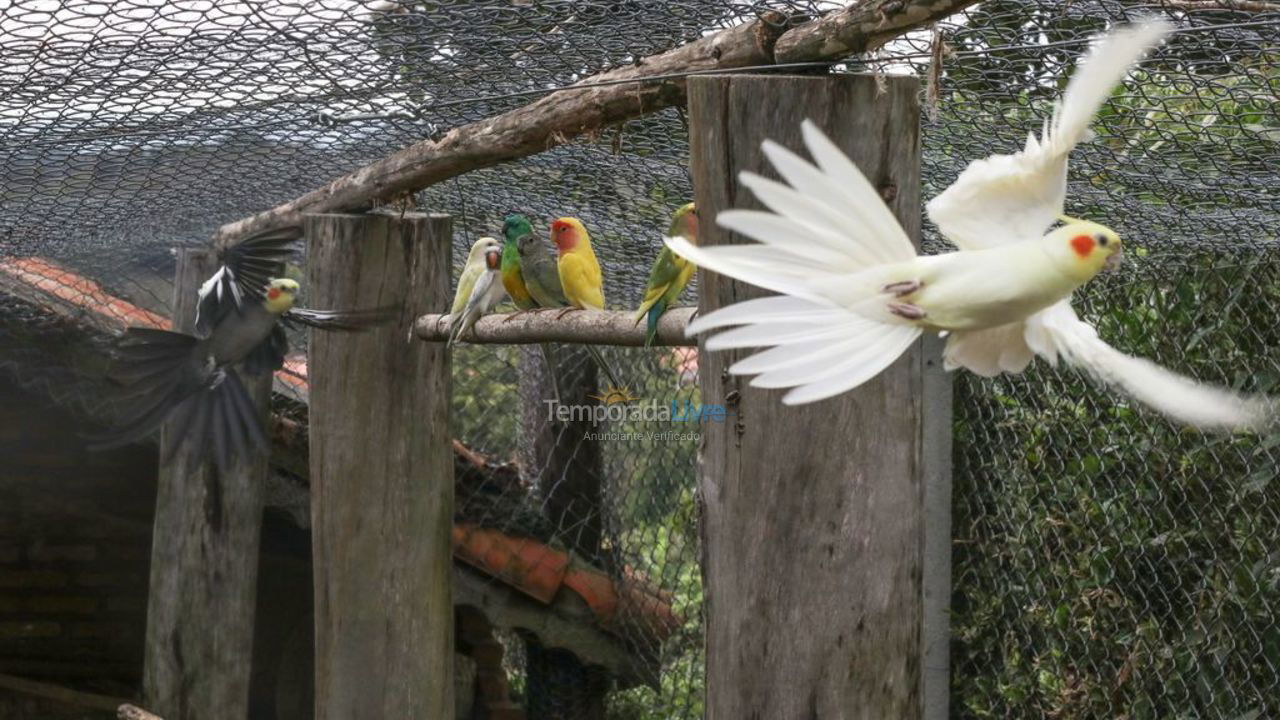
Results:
[672, 554]
[486, 401]
[1108, 563]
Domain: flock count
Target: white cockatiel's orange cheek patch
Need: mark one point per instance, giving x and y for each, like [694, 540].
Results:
[273, 293]
[1083, 245]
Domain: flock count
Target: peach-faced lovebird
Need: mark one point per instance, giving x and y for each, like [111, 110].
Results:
[542, 277]
[239, 319]
[579, 271]
[479, 287]
[670, 272]
[514, 228]
[855, 295]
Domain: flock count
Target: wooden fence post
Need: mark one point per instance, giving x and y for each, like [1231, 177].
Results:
[381, 471]
[812, 516]
[937, 428]
[204, 561]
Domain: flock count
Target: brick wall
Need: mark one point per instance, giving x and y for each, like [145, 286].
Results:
[74, 551]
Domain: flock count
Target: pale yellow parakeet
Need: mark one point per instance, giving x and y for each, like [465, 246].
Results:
[479, 286]
[855, 295]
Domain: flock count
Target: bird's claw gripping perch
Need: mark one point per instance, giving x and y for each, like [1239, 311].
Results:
[904, 288]
[907, 310]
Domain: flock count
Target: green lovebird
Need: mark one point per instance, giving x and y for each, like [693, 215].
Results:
[514, 228]
[542, 278]
[670, 272]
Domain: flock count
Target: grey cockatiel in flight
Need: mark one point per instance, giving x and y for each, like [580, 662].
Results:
[241, 317]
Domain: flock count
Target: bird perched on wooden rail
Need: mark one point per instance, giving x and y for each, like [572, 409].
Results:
[542, 277]
[578, 268]
[479, 287]
[670, 272]
[855, 295]
[514, 227]
[240, 319]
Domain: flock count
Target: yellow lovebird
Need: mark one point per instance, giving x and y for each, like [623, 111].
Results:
[855, 295]
[579, 270]
[670, 272]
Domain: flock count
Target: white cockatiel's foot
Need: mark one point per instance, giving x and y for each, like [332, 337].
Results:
[907, 310]
[904, 288]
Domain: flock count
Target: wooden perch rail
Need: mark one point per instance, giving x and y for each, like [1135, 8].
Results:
[590, 105]
[591, 327]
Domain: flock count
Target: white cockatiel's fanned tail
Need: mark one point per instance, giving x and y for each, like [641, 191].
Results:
[822, 245]
[1058, 331]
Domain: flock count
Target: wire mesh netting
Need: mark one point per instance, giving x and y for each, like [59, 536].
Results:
[1106, 563]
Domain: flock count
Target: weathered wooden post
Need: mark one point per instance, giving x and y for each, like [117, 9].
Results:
[381, 471]
[204, 561]
[813, 516]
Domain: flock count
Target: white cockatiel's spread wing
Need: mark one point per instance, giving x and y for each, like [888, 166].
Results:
[1012, 198]
[850, 279]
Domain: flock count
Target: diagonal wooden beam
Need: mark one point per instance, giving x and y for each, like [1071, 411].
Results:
[604, 99]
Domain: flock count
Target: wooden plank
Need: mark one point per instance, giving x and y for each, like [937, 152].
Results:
[812, 515]
[936, 675]
[204, 562]
[381, 471]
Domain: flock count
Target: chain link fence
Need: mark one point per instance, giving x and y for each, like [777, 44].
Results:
[1106, 562]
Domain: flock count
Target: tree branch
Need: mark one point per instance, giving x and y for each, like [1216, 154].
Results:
[559, 117]
[592, 327]
[861, 27]
[1250, 6]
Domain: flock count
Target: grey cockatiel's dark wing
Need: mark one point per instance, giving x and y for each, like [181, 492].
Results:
[243, 276]
[346, 320]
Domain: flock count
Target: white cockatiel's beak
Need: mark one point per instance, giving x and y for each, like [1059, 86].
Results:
[1114, 260]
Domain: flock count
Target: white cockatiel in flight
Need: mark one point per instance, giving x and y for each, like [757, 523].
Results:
[855, 295]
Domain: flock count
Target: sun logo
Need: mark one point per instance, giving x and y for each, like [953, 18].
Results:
[615, 396]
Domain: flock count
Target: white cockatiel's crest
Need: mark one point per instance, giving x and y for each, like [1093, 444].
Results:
[855, 296]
